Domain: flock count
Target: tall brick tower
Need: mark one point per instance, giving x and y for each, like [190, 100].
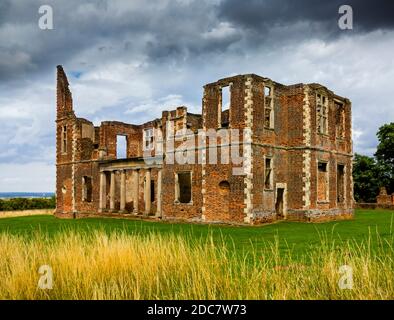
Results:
[65, 119]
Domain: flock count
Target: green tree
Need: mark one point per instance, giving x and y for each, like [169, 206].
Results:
[366, 178]
[385, 155]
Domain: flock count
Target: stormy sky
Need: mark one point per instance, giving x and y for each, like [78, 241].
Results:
[129, 60]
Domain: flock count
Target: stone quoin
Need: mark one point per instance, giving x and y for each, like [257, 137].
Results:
[295, 144]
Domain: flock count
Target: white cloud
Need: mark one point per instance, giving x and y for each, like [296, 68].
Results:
[30, 177]
[153, 107]
[222, 31]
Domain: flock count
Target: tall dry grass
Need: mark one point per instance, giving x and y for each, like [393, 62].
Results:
[121, 266]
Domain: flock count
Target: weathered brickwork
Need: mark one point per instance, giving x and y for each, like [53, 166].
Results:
[292, 158]
[384, 198]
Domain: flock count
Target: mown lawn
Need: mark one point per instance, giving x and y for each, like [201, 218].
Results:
[299, 238]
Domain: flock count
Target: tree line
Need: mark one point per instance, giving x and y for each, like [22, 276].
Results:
[371, 173]
[27, 203]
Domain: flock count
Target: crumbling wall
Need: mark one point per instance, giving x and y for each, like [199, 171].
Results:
[108, 133]
[282, 137]
[384, 198]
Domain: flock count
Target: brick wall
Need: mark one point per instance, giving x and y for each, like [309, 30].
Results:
[291, 141]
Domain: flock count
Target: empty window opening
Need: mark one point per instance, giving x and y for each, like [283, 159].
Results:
[340, 183]
[322, 114]
[339, 120]
[225, 118]
[148, 139]
[184, 187]
[322, 182]
[64, 139]
[225, 106]
[224, 187]
[87, 189]
[121, 147]
[268, 108]
[226, 96]
[268, 174]
[152, 191]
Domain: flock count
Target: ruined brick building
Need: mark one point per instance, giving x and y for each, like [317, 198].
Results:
[295, 142]
[383, 198]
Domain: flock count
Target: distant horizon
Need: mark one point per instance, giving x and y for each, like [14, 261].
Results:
[23, 194]
[30, 192]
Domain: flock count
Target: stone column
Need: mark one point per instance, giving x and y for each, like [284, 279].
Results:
[123, 190]
[147, 192]
[136, 182]
[112, 192]
[158, 211]
[176, 188]
[103, 192]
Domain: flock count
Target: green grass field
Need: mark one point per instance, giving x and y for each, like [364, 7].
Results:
[107, 258]
[295, 236]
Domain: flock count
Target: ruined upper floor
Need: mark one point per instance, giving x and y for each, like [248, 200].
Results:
[291, 116]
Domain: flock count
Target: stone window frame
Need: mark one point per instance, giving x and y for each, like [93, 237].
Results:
[63, 142]
[85, 197]
[176, 187]
[341, 105]
[220, 106]
[327, 198]
[271, 177]
[269, 107]
[322, 110]
[151, 139]
[344, 182]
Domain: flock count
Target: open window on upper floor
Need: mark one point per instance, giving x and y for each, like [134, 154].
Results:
[64, 140]
[121, 146]
[321, 114]
[224, 110]
[268, 107]
[339, 120]
[148, 139]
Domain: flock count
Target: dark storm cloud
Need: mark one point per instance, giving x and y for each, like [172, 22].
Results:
[261, 15]
[174, 30]
[171, 30]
